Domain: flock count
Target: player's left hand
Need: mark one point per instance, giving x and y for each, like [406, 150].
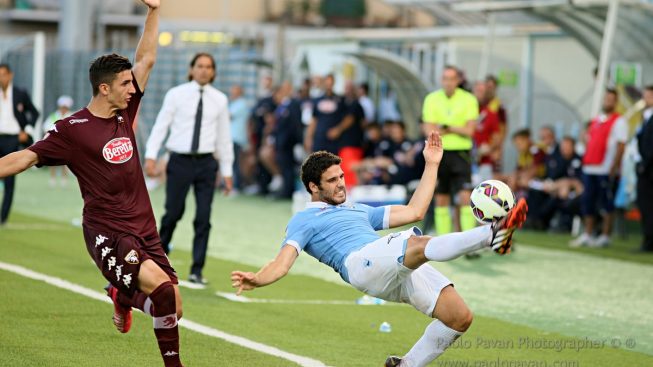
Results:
[433, 150]
[334, 133]
[152, 4]
[243, 281]
[228, 186]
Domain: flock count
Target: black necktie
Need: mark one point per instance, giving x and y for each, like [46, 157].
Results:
[198, 126]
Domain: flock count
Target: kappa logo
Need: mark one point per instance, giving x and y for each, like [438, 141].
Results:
[100, 240]
[120, 119]
[77, 121]
[111, 262]
[105, 251]
[170, 353]
[127, 279]
[132, 257]
[118, 151]
[118, 272]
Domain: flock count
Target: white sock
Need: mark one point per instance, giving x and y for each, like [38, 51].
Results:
[450, 246]
[437, 337]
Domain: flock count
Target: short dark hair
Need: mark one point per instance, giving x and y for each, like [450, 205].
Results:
[612, 91]
[523, 133]
[365, 87]
[568, 138]
[105, 68]
[492, 78]
[315, 165]
[193, 61]
[649, 88]
[5, 66]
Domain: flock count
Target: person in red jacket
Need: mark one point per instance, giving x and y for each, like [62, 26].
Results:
[606, 138]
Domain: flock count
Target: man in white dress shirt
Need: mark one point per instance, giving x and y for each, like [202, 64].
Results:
[197, 117]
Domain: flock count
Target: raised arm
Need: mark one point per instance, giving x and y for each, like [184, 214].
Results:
[270, 273]
[146, 49]
[419, 203]
[17, 162]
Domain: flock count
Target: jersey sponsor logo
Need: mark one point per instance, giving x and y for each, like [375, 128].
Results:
[77, 121]
[132, 257]
[118, 151]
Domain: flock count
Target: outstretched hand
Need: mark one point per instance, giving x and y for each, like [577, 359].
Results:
[243, 281]
[433, 148]
[152, 4]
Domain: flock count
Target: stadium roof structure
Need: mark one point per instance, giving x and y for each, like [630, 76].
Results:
[584, 20]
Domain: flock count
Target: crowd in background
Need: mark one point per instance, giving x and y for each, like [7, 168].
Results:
[562, 177]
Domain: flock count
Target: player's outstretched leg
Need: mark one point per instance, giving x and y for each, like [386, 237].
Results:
[453, 319]
[447, 247]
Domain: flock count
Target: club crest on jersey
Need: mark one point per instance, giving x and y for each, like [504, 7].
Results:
[132, 257]
[118, 151]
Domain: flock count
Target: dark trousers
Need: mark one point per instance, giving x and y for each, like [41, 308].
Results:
[238, 177]
[645, 204]
[184, 171]
[8, 145]
[286, 161]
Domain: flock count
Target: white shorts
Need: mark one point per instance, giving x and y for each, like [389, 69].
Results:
[377, 269]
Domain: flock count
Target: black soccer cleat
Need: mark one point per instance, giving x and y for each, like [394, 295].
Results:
[393, 361]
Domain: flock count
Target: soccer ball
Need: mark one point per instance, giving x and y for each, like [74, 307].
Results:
[491, 200]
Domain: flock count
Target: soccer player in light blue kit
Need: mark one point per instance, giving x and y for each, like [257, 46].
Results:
[393, 267]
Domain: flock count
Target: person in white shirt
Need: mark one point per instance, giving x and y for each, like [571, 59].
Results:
[64, 104]
[366, 103]
[17, 117]
[197, 116]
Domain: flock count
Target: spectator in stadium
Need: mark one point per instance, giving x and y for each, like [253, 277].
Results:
[495, 105]
[530, 163]
[366, 103]
[287, 132]
[64, 103]
[606, 138]
[99, 146]
[330, 119]
[351, 138]
[17, 116]
[537, 197]
[452, 112]
[239, 113]
[563, 185]
[487, 135]
[197, 117]
[393, 267]
[262, 119]
[645, 171]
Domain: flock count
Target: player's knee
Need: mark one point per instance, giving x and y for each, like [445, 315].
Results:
[164, 300]
[462, 320]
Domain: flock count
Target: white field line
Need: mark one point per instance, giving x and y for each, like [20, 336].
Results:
[187, 284]
[242, 299]
[234, 339]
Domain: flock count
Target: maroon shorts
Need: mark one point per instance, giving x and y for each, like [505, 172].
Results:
[119, 256]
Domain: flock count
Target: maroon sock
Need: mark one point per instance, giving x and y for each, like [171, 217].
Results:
[164, 313]
[138, 300]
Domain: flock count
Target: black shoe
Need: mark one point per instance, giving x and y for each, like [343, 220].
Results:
[392, 361]
[197, 279]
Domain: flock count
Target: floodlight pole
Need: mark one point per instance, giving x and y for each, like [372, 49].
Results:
[604, 59]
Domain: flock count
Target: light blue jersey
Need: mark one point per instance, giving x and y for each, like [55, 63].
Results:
[330, 233]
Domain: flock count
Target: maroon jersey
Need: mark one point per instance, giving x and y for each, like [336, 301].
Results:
[102, 154]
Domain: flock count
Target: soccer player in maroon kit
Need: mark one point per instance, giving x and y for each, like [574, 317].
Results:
[97, 143]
